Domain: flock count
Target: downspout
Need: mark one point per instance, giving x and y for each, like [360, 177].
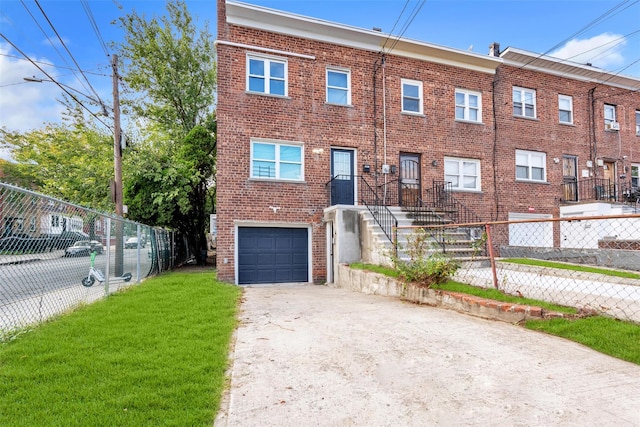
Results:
[375, 123]
[384, 124]
[496, 193]
[593, 151]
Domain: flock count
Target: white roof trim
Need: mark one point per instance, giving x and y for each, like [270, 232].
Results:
[275, 21]
[565, 68]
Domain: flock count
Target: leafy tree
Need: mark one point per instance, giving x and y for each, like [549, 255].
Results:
[169, 65]
[71, 162]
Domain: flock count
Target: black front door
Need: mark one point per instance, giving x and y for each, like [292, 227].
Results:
[409, 190]
[343, 180]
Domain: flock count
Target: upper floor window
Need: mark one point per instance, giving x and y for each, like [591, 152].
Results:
[267, 75]
[463, 174]
[565, 109]
[609, 115]
[531, 166]
[524, 102]
[468, 105]
[275, 160]
[635, 176]
[637, 123]
[338, 86]
[411, 96]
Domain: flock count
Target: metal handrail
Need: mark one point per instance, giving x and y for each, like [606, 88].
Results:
[591, 189]
[380, 212]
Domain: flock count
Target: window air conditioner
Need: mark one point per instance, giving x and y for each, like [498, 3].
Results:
[613, 126]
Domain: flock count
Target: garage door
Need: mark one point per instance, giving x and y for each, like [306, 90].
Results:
[272, 255]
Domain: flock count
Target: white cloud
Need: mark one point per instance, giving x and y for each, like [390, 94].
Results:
[603, 51]
[23, 105]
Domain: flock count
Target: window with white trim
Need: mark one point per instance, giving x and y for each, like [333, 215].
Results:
[266, 75]
[276, 160]
[565, 109]
[411, 96]
[609, 114]
[637, 123]
[524, 102]
[468, 105]
[338, 86]
[531, 166]
[463, 174]
[635, 175]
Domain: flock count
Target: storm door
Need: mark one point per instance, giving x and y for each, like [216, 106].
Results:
[409, 190]
[569, 179]
[343, 179]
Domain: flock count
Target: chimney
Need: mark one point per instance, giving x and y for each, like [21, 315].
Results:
[494, 49]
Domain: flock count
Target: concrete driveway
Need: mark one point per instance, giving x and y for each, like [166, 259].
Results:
[319, 356]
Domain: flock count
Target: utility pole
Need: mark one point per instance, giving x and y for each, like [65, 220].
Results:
[117, 169]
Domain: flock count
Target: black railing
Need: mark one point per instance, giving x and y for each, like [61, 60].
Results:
[441, 198]
[376, 204]
[376, 201]
[590, 189]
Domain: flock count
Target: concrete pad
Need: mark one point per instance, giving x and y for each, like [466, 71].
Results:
[317, 356]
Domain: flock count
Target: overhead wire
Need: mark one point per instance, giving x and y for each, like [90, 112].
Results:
[405, 27]
[68, 51]
[94, 25]
[42, 70]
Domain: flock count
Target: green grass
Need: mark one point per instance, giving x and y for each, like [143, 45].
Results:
[609, 336]
[154, 355]
[572, 267]
[488, 293]
[613, 337]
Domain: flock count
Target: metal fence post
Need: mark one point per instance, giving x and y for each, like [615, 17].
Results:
[108, 265]
[138, 254]
[492, 257]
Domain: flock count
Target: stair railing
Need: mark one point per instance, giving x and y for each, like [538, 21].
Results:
[377, 205]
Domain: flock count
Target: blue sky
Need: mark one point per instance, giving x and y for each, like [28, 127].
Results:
[557, 27]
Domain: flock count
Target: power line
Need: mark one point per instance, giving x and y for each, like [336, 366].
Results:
[414, 13]
[94, 25]
[54, 81]
[68, 51]
[49, 64]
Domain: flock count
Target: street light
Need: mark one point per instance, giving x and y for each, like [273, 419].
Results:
[34, 79]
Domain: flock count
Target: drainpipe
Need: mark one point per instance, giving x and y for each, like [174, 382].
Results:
[593, 151]
[496, 193]
[384, 123]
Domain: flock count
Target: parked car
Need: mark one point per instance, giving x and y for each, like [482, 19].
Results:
[83, 248]
[132, 243]
[22, 244]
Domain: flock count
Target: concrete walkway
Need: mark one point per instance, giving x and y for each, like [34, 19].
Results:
[318, 356]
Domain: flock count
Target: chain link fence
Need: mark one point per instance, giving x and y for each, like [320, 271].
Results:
[55, 256]
[591, 263]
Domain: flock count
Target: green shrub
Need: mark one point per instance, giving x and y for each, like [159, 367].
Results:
[426, 266]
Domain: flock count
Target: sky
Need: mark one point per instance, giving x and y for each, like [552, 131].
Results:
[60, 36]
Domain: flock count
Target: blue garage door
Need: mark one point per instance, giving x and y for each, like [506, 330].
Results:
[272, 255]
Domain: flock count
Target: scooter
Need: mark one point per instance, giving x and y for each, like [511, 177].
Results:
[97, 275]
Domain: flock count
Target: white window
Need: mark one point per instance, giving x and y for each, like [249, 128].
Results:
[411, 96]
[338, 86]
[463, 174]
[276, 160]
[531, 166]
[635, 176]
[637, 123]
[565, 109]
[524, 102]
[266, 75]
[609, 114]
[468, 105]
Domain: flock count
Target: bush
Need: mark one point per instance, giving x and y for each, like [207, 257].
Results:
[426, 266]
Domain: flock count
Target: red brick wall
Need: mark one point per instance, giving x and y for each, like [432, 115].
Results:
[305, 117]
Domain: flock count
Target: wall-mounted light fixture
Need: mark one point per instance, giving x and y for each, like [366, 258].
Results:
[434, 163]
[556, 160]
[366, 168]
[393, 169]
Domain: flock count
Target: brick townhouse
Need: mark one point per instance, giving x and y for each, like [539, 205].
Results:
[313, 114]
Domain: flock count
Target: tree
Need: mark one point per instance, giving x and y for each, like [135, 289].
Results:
[71, 162]
[169, 64]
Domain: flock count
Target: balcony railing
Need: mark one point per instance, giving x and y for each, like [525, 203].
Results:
[590, 189]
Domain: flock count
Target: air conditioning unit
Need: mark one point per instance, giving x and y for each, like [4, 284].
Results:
[613, 126]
